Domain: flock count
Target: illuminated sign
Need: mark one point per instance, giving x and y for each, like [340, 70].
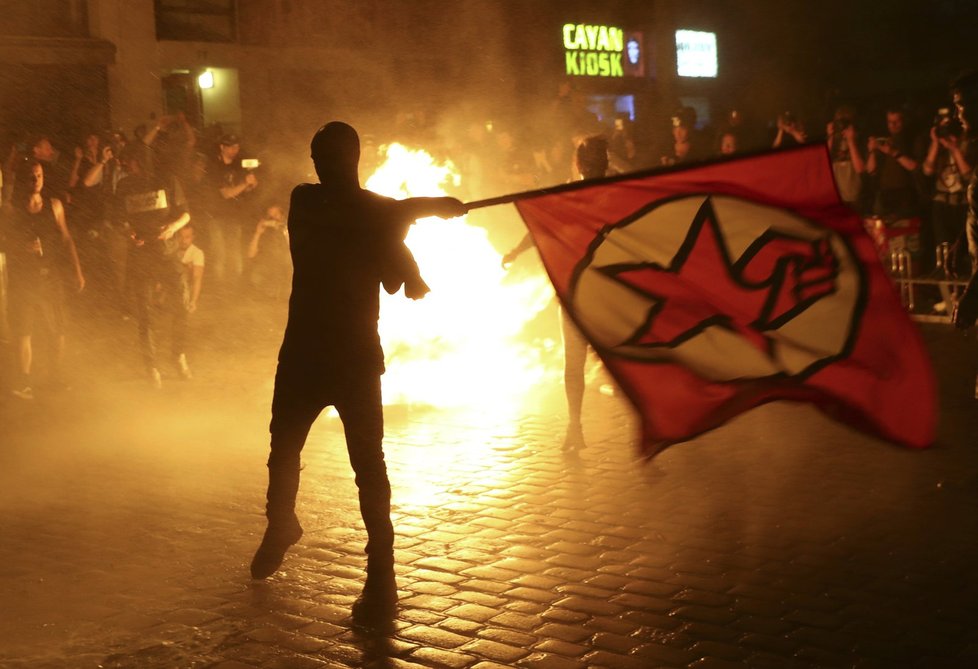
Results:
[696, 53]
[634, 55]
[593, 51]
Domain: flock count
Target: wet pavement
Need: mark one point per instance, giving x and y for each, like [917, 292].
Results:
[128, 518]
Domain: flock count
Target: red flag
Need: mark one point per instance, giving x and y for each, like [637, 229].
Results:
[710, 290]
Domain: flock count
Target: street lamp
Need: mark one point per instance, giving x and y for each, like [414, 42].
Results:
[206, 80]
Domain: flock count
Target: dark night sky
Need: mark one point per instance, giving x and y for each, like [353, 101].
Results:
[869, 51]
[807, 55]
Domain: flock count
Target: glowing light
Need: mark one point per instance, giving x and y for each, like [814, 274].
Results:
[458, 346]
[593, 38]
[592, 50]
[206, 79]
[696, 53]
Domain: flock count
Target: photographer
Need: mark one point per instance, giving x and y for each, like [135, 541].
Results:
[892, 166]
[270, 270]
[791, 132]
[227, 186]
[848, 166]
[949, 161]
[965, 95]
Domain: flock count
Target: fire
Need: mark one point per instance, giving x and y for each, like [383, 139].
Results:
[458, 346]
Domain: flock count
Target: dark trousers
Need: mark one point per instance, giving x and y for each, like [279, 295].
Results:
[155, 303]
[297, 402]
[225, 250]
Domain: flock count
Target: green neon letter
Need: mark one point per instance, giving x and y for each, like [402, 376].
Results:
[617, 36]
[603, 44]
[580, 39]
[568, 42]
[570, 58]
[591, 63]
[592, 36]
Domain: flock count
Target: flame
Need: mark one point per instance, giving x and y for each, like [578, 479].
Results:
[459, 346]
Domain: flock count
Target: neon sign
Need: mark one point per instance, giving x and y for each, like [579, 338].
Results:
[696, 53]
[593, 51]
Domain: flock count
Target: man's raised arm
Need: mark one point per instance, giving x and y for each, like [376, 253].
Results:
[422, 207]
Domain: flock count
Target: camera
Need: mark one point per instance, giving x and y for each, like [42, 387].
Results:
[840, 124]
[946, 123]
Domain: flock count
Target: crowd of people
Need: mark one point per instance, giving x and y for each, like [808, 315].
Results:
[134, 220]
[904, 170]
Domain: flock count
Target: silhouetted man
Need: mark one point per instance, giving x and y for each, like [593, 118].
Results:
[345, 242]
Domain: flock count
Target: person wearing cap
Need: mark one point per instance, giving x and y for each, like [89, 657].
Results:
[345, 243]
[228, 184]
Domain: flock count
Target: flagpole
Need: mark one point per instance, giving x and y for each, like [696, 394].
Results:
[506, 199]
[559, 188]
[639, 174]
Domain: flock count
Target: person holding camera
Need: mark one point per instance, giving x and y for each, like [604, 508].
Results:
[86, 210]
[965, 95]
[949, 162]
[228, 183]
[270, 271]
[791, 131]
[848, 165]
[892, 167]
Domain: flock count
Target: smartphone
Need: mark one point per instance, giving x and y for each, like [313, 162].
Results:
[250, 163]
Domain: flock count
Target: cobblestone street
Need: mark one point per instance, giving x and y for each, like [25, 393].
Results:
[128, 518]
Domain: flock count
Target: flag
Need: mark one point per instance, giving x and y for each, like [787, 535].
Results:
[709, 290]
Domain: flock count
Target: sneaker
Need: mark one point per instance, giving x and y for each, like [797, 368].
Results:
[184, 367]
[25, 393]
[156, 378]
[377, 604]
[279, 537]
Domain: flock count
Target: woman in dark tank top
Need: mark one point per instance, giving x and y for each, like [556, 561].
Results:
[40, 252]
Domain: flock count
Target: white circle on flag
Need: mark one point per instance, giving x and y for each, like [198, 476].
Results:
[800, 341]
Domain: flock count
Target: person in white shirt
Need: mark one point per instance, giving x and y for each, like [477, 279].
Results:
[191, 267]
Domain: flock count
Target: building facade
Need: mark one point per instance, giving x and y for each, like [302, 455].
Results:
[274, 70]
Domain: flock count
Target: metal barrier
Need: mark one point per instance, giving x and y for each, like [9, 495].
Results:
[897, 242]
[903, 274]
[902, 270]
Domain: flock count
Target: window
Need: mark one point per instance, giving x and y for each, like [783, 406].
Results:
[696, 53]
[196, 20]
[44, 18]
